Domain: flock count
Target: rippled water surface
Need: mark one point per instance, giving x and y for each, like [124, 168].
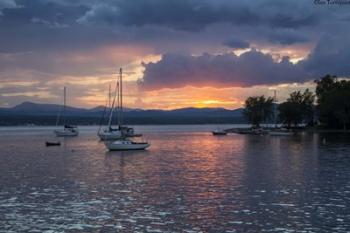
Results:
[188, 181]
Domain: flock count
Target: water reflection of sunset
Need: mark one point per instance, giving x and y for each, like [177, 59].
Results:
[188, 179]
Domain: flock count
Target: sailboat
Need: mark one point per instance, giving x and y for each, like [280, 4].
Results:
[68, 130]
[276, 131]
[126, 144]
[126, 131]
[111, 133]
[117, 138]
[121, 132]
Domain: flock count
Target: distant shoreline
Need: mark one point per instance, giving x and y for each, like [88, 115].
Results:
[140, 124]
[229, 130]
[307, 130]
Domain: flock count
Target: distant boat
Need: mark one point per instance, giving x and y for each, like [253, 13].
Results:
[52, 144]
[219, 132]
[110, 134]
[68, 130]
[242, 131]
[252, 131]
[280, 132]
[126, 144]
[129, 132]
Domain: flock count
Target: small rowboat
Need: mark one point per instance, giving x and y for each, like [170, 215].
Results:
[219, 132]
[53, 144]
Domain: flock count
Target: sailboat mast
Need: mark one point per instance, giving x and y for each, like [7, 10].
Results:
[64, 97]
[118, 103]
[121, 96]
[113, 104]
[275, 107]
[64, 103]
[109, 96]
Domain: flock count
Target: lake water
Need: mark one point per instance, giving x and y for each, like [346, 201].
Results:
[188, 181]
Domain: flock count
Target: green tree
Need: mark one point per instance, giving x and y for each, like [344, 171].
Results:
[308, 107]
[333, 98]
[297, 109]
[258, 109]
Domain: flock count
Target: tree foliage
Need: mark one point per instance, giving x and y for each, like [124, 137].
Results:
[258, 109]
[333, 98]
[333, 105]
[297, 109]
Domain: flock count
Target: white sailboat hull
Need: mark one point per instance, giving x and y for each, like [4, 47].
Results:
[107, 135]
[110, 135]
[66, 133]
[126, 145]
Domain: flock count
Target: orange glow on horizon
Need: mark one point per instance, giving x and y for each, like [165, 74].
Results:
[92, 90]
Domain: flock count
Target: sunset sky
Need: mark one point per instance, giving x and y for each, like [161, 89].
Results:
[174, 53]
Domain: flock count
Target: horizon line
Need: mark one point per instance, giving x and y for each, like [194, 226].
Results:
[102, 106]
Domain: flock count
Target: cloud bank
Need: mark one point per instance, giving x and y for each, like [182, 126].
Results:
[47, 41]
[227, 70]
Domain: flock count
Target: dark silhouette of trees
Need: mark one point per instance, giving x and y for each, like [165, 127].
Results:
[333, 106]
[297, 109]
[333, 99]
[258, 109]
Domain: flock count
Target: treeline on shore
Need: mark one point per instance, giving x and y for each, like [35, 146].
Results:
[328, 107]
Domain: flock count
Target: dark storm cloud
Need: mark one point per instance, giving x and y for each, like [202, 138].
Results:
[7, 4]
[47, 10]
[330, 56]
[287, 37]
[63, 24]
[236, 43]
[38, 34]
[196, 14]
[249, 69]
[180, 14]
[42, 25]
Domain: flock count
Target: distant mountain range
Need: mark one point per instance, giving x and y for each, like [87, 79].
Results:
[45, 114]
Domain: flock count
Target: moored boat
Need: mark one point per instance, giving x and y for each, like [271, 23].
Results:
[121, 131]
[110, 134]
[278, 131]
[219, 132]
[281, 133]
[68, 130]
[52, 143]
[253, 131]
[126, 144]
[129, 132]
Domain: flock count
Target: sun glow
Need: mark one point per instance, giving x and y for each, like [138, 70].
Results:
[211, 103]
